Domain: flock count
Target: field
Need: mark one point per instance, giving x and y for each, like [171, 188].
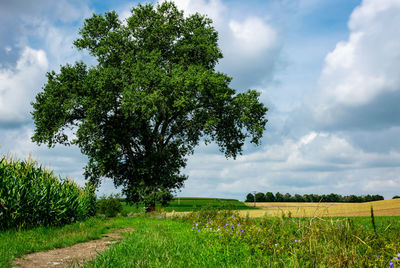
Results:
[221, 238]
[389, 207]
[184, 204]
[210, 239]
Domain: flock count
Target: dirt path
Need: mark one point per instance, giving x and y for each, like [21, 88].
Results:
[72, 256]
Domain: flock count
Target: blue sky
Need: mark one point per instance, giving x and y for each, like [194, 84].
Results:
[329, 71]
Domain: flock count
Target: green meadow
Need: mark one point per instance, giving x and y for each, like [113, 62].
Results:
[185, 204]
[222, 238]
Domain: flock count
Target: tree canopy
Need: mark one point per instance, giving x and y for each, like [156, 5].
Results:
[278, 197]
[152, 97]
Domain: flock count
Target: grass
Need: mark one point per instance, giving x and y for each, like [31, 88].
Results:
[389, 207]
[14, 244]
[185, 204]
[155, 243]
[218, 240]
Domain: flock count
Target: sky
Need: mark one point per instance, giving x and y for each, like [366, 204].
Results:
[328, 70]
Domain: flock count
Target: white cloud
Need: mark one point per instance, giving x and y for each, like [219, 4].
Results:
[65, 161]
[253, 36]
[19, 85]
[58, 42]
[317, 162]
[364, 70]
[380, 185]
[213, 8]
[250, 45]
[356, 74]
[251, 51]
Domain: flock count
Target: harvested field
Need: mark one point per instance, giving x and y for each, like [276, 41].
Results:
[381, 208]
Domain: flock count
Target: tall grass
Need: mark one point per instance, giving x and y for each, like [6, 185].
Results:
[222, 239]
[33, 196]
[14, 244]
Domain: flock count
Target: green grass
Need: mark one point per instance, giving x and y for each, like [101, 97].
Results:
[212, 238]
[168, 243]
[267, 242]
[14, 244]
[183, 204]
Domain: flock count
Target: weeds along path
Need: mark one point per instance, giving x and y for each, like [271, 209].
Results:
[71, 256]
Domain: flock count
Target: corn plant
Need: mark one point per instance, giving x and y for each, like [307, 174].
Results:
[31, 195]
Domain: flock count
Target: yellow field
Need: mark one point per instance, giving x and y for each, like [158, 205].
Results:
[381, 208]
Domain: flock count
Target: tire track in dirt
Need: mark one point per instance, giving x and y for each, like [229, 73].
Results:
[73, 256]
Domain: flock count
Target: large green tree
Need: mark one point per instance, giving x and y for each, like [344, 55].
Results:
[152, 97]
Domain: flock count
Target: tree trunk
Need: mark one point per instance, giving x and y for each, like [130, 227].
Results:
[151, 208]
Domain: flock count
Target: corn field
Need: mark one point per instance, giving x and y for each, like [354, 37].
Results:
[31, 195]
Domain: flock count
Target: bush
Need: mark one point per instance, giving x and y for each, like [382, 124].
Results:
[33, 196]
[109, 206]
[396, 197]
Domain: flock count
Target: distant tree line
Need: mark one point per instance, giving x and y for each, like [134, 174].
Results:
[278, 197]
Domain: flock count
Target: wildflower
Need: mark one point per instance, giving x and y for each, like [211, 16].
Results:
[391, 264]
[259, 229]
[378, 255]
[197, 224]
[241, 231]
[193, 227]
[262, 243]
[276, 244]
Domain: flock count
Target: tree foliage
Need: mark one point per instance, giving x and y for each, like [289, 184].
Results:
[278, 197]
[152, 97]
[249, 197]
[260, 197]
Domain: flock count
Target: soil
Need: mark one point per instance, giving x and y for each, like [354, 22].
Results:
[73, 256]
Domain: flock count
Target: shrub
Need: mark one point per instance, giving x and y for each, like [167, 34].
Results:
[109, 206]
[33, 196]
